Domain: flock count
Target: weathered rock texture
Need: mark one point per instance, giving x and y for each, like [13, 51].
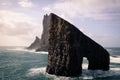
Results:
[35, 44]
[68, 46]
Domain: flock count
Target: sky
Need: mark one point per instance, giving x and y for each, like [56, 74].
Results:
[21, 20]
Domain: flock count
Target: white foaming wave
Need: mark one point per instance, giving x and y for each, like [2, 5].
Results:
[86, 74]
[115, 69]
[89, 74]
[39, 52]
[36, 71]
[20, 49]
[115, 59]
[42, 52]
[26, 50]
[109, 50]
[42, 70]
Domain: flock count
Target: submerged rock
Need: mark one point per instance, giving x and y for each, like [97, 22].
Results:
[67, 47]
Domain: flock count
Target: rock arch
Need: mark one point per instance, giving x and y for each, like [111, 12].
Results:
[67, 47]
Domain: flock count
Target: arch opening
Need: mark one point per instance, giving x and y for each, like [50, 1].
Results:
[85, 63]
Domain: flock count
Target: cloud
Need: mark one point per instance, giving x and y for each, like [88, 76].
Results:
[47, 9]
[25, 3]
[17, 27]
[5, 4]
[96, 9]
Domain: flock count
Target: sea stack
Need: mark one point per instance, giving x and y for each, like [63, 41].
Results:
[35, 44]
[44, 36]
[67, 47]
[42, 44]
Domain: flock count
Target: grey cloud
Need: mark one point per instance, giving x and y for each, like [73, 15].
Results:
[95, 9]
[19, 28]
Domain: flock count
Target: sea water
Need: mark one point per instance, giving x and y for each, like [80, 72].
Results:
[19, 64]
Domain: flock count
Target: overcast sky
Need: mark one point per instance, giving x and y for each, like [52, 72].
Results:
[21, 20]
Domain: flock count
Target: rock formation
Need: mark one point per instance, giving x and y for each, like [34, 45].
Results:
[44, 37]
[35, 44]
[68, 46]
[42, 44]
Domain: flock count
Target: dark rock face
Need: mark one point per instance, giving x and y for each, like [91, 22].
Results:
[35, 44]
[44, 37]
[68, 46]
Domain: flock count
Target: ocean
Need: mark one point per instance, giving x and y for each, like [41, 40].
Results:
[16, 63]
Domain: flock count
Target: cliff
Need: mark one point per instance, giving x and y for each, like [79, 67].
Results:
[67, 47]
[35, 44]
[44, 37]
[42, 44]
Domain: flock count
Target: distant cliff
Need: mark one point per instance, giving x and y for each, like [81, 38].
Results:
[42, 44]
[44, 37]
[35, 44]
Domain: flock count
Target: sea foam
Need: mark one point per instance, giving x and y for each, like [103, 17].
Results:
[36, 71]
[115, 59]
[26, 50]
[86, 74]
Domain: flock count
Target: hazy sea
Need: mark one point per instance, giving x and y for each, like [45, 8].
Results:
[16, 63]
